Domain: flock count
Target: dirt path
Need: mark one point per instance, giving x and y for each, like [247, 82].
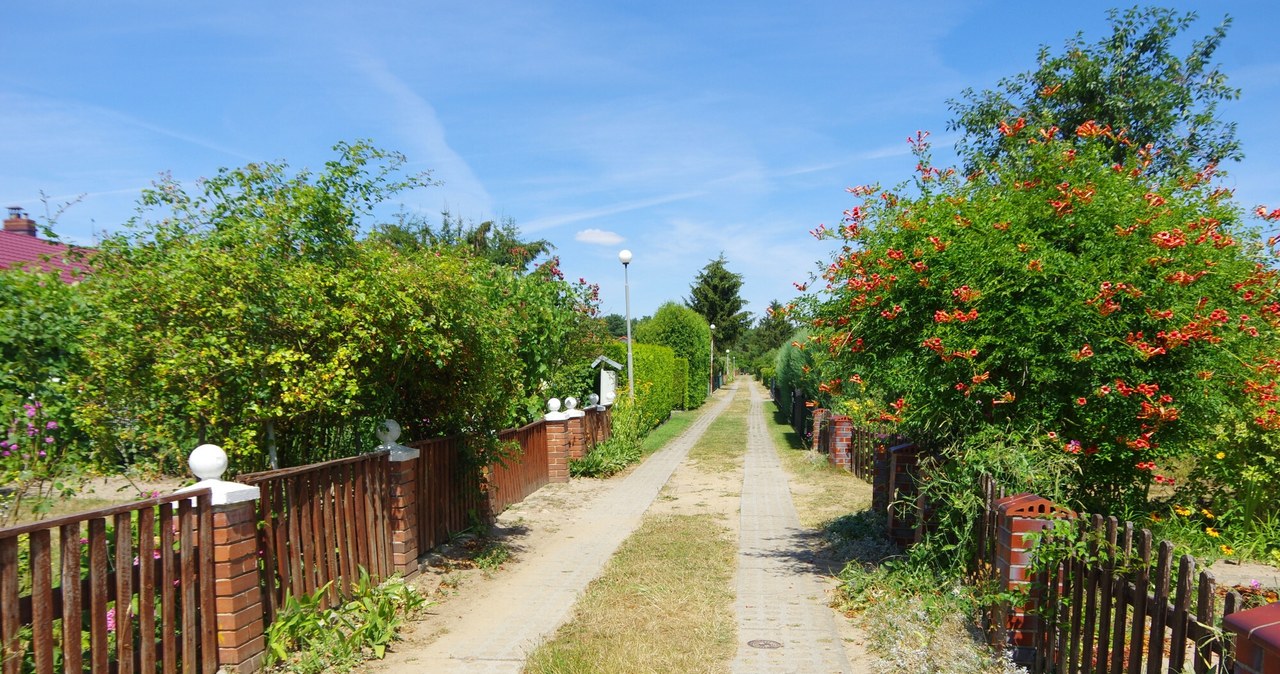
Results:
[562, 536]
[491, 625]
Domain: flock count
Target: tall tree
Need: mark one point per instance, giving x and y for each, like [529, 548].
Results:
[1130, 80]
[714, 295]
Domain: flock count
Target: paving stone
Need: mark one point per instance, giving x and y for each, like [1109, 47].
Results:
[779, 596]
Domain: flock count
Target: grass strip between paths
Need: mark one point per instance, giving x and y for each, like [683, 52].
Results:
[664, 603]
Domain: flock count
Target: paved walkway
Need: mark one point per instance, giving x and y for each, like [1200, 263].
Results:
[539, 594]
[779, 599]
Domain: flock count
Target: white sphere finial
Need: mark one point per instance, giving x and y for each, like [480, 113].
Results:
[553, 405]
[593, 400]
[624, 257]
[208, 462]
[388, 432]
[571, 403]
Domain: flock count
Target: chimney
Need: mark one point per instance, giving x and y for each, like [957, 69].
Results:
[19, 223]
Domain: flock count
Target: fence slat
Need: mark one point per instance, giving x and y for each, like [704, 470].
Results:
[168, 591]
[1141, 577]
[124, 591]
[208, 623]
[41, 601]
[69, 548]
[1181, 615]
[10, 644]
[1121, 602]
[187, 583]
[98, 594]
[1159, 608]
[1204, 624]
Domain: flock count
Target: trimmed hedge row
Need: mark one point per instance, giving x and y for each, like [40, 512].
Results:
[655, 368]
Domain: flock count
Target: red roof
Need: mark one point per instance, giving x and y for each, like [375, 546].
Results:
[24, 250]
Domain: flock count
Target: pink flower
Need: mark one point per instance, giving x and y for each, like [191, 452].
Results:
[111, 620]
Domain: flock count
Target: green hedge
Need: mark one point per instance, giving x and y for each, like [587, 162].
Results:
[680, 383]
[654, 376]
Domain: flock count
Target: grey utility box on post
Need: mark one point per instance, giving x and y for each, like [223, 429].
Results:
[607, 382]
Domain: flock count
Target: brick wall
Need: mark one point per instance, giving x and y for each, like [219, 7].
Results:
[558, 450]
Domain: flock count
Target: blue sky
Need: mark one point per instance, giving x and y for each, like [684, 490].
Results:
[679, 130]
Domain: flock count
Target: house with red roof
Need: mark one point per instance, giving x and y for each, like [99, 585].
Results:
[21, 248]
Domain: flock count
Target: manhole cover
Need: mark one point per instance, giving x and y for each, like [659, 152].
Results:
[764, 643]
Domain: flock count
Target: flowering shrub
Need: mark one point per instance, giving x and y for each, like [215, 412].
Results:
[1122, 315]
[32, 464]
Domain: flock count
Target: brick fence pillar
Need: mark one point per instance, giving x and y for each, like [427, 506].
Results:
[238, 588]
[841, 441]
[819, 418]
[557, 425]
[237, 583]
[577, 428]
[404, 511]
[1257, 639]
[880, 475]
[1016, 517]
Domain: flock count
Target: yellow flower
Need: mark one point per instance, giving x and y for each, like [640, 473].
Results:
[1155, 518]
[1220, 455]
[1213, 533]
[1207, 515]
[1182, 511]
[1227, 549]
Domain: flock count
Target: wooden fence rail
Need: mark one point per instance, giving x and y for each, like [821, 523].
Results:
[139, 575]
[321, 524]
[598, 424]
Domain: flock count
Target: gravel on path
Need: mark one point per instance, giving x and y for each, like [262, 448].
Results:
[784, 624]
[530, 601]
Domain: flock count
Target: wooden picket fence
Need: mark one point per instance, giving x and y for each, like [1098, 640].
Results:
[598, 425]
[80, 576]
[522, 472]
[320, 524]
[1117, 605]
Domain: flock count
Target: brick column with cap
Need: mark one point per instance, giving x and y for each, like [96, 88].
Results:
[1257, 639]
[841, 442]
[237, 585]
[404, 513]
[557, 424]
[819, 418]
[1016, 517]
[577, 428]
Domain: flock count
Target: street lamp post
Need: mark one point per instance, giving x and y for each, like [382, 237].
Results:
[625, 258]
[711, 372]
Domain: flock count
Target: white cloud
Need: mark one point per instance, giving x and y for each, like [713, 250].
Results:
[416, 121]
[599, 237]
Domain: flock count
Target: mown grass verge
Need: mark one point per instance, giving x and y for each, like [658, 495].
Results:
[722, 446]
[664, 604]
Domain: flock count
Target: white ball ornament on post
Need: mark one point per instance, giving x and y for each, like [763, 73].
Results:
[553, 411]
[388, 433]
[209, 463]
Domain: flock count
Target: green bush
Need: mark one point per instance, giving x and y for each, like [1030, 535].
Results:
[687, 333]
[249, 313]
[654, 366]
[680, 382]
[1124, 318]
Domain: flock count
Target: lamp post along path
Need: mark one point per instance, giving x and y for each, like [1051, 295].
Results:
[625, 258]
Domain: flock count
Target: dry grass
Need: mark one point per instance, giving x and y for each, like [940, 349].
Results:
[722, 446]
[664, 604]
